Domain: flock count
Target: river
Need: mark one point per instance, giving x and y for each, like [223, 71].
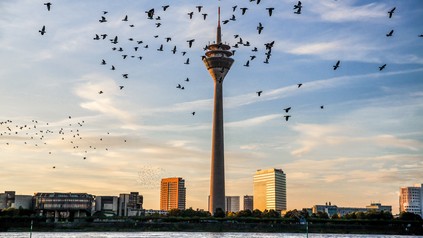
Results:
[183, 235]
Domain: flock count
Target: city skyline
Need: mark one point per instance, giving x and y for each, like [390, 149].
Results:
[363, 145]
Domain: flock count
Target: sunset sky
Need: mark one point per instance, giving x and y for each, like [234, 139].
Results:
[64, 136]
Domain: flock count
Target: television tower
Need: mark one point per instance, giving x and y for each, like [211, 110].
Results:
[218, 62]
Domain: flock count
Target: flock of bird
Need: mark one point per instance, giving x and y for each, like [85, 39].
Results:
[72, 135]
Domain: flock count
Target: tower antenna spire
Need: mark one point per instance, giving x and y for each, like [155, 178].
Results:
[219, 33]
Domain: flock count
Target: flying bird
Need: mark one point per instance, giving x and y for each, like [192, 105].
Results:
[243, 10]
[247, 64]
[287, 109]
[48, 4]
[259, 93]
[165, 7]
[390, 33]
[187, 62]
[287, 117]
[299, 85]
[199, 8]
[125, 18]
[336, 65]
[43, 30]
[125, 75]
[234, 8]
[190, 14]
[204, 16]
[160, 48]
[190, 42]
[121, 87]
[260, 28]
[391, 12]
[174, 49]
[270, 10]
[382, 67]
[103, 19]
[150, 13]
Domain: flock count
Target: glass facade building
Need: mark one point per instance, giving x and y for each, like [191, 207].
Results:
[270, 190]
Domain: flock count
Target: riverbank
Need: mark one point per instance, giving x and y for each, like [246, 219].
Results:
[221, 226]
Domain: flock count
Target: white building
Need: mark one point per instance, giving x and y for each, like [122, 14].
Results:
[232, 203]
[411, 199]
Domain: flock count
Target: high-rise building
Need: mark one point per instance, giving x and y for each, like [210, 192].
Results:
[218, 61]
[232, 204]
[270, 190]
[248, 202]
[172, 194]
[411, 199]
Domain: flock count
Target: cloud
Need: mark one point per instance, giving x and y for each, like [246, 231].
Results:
[107, 103]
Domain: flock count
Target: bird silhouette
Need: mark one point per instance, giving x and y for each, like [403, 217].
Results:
[165, 7]
[48, 4]
[382, 67]
[259, 93]
[150, 13]
[187, 61]
[125, 18]
[270, 10]
[299, 85]
[103, 62]
[390, 33]
[43, 30]
[247, 64]
[260, 28]
[336, 65]
[321, 107]
[287, 109]
[100, 92]
[125, 76]
[204, 16]
[114, 40]
[103, 19]
[287, 117]
[199, 8]
[190, 14]
[190, 42]
[121, 87]
[193, 113]
[160, 48]
[391, 12]
[243, 10]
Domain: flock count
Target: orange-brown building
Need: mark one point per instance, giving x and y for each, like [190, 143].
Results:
[172, 194]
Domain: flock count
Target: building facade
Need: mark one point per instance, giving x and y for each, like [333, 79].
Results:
[108, 205]
[411, 199]
[130, 204]
[270, 190]
[63, 206]
[248, 202]
[331, 210]
[9, 199]
[232, 204]
[172, 194]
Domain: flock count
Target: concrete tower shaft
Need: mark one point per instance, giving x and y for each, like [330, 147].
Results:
[218, 62]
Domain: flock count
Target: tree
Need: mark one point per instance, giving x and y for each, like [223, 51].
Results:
[219, 213]
[256, 213]
[244, 213]
[409, 216]
[271, 214]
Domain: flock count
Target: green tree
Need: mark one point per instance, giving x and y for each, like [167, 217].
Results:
[256, 213]
[409, 216]
[219, 213]
[244, 213]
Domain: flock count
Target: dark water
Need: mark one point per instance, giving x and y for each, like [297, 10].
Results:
[182, 235]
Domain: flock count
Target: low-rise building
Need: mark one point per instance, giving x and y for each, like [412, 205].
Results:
[63, 206]
[108, 205]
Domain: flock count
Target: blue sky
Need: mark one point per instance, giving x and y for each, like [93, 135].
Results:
[361, 147]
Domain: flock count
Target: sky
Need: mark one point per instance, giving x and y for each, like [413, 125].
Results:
[60, 134]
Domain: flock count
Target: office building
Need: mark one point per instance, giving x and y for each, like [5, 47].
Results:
[63, 206]
[411, 199]
[270, 190]
[130, 204]
[232, 204]
[108, 205]
[172, 194]
[9, 199]
[248, 203]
